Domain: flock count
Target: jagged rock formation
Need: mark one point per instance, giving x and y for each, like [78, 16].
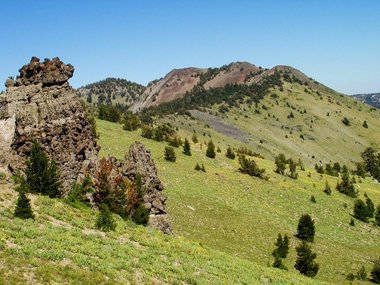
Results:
[42, 106]
[123, 173]
[48, 73]
[139, 162]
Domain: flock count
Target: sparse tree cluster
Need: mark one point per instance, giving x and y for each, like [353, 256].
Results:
[281, 251]
[282, 162]
[346, 185]
[199, 167]
[230, 153]
[131, 121]
[371, 162]
[364, 211]
[330, 169]
[169, 154]
[250, 167]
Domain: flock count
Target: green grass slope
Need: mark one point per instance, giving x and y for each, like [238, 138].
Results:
[267, 129]
[242, 216]
[61, 246]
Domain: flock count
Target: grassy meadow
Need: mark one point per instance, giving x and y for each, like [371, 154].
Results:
[62, 246]
[242, 216]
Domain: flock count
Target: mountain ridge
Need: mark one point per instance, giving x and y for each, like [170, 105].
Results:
[180, 81]
[372, 99]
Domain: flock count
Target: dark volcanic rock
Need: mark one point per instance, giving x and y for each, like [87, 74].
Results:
[48, 73]
[139, 162]
[43, 107]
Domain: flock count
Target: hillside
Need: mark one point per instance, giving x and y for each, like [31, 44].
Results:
[372, 99]
[177, 83]
[277, 110]
[241, 215]
[115, 90]
[285, 112]
[62, 246]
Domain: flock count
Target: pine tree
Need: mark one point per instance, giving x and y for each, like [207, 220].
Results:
[282, 246]
[230, 153]
[52, 183]
[377, 216]
[284, 250]
[375, 273]
[210, 152]
[312, 199]
[369, 158]
[23, 208]
[278, 263]
[36, 167]
[41, 174]
[336, 168]
[169, 154]
[186, 148]
[346, 186]
[305, 263]
[197, 167]
[293, 169]
[360, 210]
[327, 188]
[280, 162]
[250, 167]
[306, 228]
[329, 169]
[141, 215]
[105, 221]
[370, 207]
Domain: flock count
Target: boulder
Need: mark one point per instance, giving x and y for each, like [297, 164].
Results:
[48, 73]
[139, 162]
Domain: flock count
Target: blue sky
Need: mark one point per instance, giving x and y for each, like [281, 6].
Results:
[335, 42]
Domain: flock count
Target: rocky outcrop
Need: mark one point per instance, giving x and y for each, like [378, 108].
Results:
[48, 73]
[43, 106]
[139, 162]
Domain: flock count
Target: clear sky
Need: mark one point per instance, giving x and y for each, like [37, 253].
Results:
[335, 42]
